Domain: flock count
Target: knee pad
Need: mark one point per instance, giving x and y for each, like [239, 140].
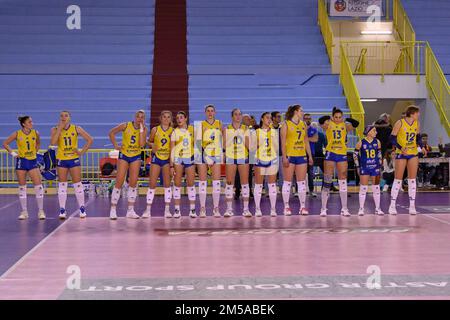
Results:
[363, 189]
[176, 193]
[115, 196]
[150, 196]
[245, 191]
[22, 192]
[229, 191]
[272, 188]
[132, 194]
[301, 186]
[286, 187]
[327, 181]
[376, 188]
[167, 195]
[39, 191]
[342, 185]
[202, 187]
[62, 188]
[78, 187]
[216, 186]
[258, 188]
[191, 193]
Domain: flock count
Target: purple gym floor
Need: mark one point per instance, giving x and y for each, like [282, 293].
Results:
[228, 258]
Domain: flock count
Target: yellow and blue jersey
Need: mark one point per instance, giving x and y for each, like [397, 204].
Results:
[407, 136]
[184, 142]
[162, 142]
[235, 144]
[212, 138]
[295, 139]
[131, 141]
[26, 144]
[68, 144]
[267, 144]
[337, 138]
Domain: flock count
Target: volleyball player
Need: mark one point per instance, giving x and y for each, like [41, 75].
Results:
[182, 162]
[295, 147]
[210, 135]
[28, 143]
[406, 137]
[266, 163]
[336, 156]
[134, 134]
[65, 136]
[236, 137]
[368, 160]
[159, 142]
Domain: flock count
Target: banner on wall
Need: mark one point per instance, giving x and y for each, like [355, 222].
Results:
[353, 8]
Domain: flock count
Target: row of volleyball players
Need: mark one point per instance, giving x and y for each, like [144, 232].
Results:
[173, 154]
[172, 151]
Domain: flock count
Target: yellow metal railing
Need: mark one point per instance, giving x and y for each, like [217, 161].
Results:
[438, 88]
[351, 92]
[386, 57]
[325, 28]
[404, 28]
[361, 64]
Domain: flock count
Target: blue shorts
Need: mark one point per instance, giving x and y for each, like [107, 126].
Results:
[129, 159]
[236, 161]
[26, 164]
[185, 162]
[159, 162]
[373, 172]
[211, 159]
[406, 157]
[68, 164]
[331, 156]
[298, 160]
[265, 164]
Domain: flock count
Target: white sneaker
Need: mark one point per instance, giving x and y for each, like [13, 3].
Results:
[177, 214]
[147, 214]
[193, 214]
[379, 212]
[228, 213]
[62, 214]
[167, 215]
[385, 188]
[412, 211]
[113, 214]
[303, 212]
[23, 215]
[132, 215]
[361, 212]
[202, 213]
[258, 213]
[247, 214]
[41, 215]
[287, 211]
[345, 213]
[83, 212]
[323, 212]
[216, 213]
[392, 210]
[273, 213]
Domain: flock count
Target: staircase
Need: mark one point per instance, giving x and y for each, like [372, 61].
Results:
[258, 55]
[431, 22]
[101, 73]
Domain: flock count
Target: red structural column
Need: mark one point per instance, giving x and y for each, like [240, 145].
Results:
[170, 77]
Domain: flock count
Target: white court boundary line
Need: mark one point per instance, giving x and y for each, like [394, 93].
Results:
[40, 243]
[428, 215]
[9, 205]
